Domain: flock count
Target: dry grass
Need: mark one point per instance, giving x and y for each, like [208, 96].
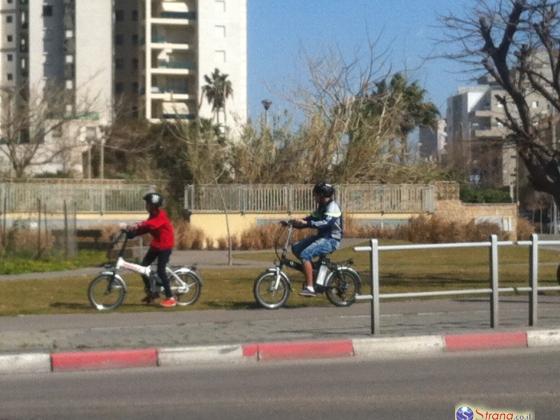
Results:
[188, 237]
[436, 230]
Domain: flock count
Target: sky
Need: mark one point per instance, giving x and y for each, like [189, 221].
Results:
[281, 32]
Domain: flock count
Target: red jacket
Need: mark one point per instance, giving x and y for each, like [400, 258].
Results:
[159, 226]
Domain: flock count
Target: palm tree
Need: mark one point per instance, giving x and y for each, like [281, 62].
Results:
[415, 111]
[217, 90]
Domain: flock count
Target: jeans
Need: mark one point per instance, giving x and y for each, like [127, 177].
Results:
[313, 246]
[163, 258]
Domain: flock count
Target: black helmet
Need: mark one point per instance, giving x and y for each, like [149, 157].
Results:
[154, 199]
[323, 189]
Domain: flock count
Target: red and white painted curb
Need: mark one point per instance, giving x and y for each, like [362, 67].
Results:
[362, 347]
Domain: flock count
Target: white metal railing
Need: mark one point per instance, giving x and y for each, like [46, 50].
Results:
[494, 290]
[87, 197]
[398, 198]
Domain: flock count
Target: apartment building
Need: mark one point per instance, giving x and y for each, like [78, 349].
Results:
[147, 58]
[164, 48]
[432, 142]
[476, 139]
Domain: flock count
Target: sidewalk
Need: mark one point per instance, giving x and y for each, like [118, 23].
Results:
[40, 343]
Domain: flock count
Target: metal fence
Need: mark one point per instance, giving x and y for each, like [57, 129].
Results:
[405, 198]
[86, 197]
[494, 290]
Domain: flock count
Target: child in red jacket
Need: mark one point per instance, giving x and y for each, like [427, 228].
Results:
[159, 226]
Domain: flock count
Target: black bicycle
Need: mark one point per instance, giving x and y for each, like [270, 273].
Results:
[338, 280]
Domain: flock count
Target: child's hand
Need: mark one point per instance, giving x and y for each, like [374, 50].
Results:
[123, 226]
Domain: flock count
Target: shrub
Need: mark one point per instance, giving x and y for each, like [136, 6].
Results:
[469, 194]
[188, 237]
[524, 229]
[424, 229]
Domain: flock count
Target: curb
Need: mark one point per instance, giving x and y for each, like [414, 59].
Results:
[363, 347]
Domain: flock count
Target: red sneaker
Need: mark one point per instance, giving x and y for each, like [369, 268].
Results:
[168, 303]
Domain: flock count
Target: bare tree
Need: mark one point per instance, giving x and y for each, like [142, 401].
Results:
[27, 119]
[358, 118]
[205, 154]
[517, 43]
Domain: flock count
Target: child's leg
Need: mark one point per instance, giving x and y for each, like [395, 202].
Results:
[149, 258]
[163, 259]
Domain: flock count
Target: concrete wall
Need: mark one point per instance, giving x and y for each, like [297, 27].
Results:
[214, 225]
[504, 215]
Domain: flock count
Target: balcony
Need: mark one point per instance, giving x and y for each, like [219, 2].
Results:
[170, 42]
[490, 133]
[175, 64]
[170, 94]
[174, 13]
[178, 15]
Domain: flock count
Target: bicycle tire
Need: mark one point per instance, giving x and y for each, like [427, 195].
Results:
[266, 296]
[342, 287]
[106, 292]
[194, 288]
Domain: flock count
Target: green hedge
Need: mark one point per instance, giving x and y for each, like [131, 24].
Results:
[469, 194]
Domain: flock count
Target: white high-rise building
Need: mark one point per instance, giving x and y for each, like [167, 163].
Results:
[150, 55]
[186, 41]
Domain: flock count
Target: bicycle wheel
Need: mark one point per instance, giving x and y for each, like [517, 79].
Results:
[269, 296]
[342, 287]
[188, 293]
[106, 292]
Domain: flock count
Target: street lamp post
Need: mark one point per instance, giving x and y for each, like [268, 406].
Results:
[266, 103]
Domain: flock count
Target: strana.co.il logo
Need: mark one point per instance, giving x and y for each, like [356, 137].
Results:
[464, 413]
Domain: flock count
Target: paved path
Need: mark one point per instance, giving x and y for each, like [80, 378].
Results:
[213, 327]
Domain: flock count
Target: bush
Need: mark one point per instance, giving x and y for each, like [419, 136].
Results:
[524, 229]
[424, 229]
[469, 194]
[188, 237]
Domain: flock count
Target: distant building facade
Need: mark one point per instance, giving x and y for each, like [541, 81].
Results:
[476, 138]
[432, 142]
[148, 57]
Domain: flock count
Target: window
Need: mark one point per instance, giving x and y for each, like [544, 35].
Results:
[10, 76]
[134, 87]
[91, 134]
[535, 104]
[10, 38]
[220, 56]
[119, 39]
[119, 15]
[221, 5]
[135, 63]
[220, 31]
[119, 63]
[10, 57]
[119, 87]
[9, 19]
[135, 15]
[134, 39]
[47, 11]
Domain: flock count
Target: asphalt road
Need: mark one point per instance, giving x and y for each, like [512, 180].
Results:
[522, 380]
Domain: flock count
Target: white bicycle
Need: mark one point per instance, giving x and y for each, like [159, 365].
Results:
[108, 290]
